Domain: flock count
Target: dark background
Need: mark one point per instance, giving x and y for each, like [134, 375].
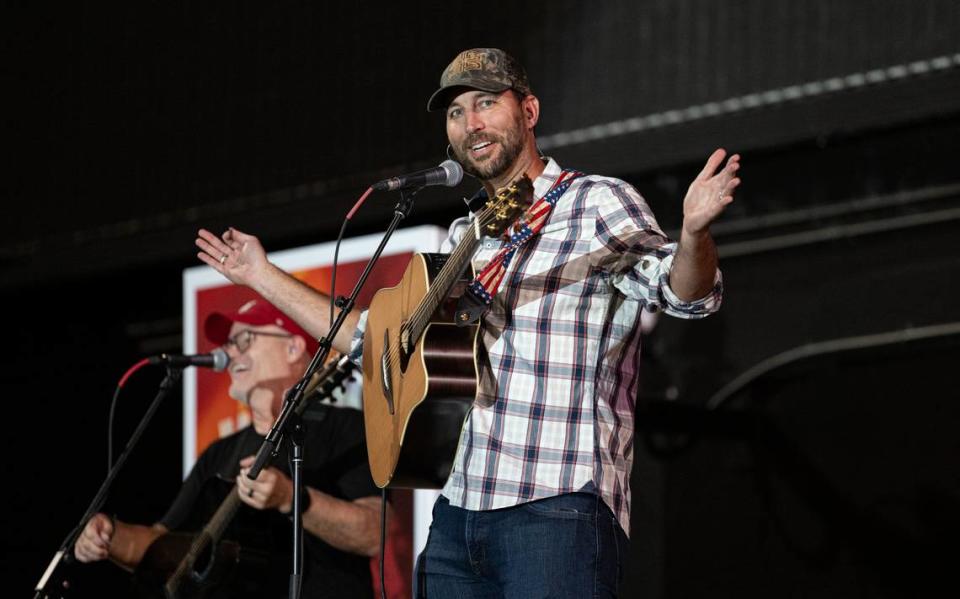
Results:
[129, 127]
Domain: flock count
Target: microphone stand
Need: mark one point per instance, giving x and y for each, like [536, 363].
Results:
[296, 471]
[45, 588]
[286, 422]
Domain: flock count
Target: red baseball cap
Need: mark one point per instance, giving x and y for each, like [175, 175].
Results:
[258, 313]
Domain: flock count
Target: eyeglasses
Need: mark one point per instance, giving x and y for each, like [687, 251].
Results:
[244, 339]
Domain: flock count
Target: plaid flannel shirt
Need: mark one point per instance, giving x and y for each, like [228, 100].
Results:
[560, 351]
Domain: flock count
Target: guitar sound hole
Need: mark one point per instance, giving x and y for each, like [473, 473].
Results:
[201, 565]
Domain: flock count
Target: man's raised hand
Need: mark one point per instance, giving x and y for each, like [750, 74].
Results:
[710, 192]
[236, 255]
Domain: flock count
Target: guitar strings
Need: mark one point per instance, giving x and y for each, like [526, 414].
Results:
[431, 298]
[447, 274]
[444, 280]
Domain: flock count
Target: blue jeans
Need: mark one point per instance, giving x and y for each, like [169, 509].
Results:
[565, 546]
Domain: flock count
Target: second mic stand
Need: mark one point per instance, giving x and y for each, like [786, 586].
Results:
[289, 421]
[52, 584]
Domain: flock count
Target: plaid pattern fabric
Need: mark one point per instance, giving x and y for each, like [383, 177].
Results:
[487, 282]
[559, 363]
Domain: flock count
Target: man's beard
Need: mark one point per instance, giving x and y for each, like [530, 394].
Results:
[511, 144]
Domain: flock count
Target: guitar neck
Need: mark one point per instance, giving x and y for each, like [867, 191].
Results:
[449, 274]
[493, 220]
[224, 515]
[210, 535]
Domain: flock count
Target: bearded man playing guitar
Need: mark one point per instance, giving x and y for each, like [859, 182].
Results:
[537, 501]
[268, 355]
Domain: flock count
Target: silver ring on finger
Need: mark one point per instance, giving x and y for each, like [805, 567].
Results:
[223, 258]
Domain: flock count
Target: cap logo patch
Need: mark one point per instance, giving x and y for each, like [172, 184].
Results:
[468, 61]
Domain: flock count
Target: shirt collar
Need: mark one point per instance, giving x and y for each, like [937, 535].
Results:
[541, 185]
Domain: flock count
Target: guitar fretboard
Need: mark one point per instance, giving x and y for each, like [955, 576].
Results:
[449, 273]
[494, 219]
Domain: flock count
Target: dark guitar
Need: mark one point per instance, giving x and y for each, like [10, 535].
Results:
[188, 565]
[419, 372]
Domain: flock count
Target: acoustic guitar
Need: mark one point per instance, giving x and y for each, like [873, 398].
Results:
[419, 365]
[192, 565]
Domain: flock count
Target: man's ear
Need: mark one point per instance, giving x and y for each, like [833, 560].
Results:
[296, 347]
[531, 110]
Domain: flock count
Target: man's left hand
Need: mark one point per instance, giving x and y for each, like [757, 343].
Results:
[272, 489]
[710, 193]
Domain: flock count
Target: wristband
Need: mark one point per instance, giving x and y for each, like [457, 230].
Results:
[305, 501]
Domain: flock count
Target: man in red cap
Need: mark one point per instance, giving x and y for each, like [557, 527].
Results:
[268, 354]
[538, 501]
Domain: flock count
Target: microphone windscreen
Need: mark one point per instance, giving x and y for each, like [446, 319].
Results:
[220, 359]
[454, 172]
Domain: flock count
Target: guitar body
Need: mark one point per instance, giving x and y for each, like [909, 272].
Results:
[157, 574]
[415, 401]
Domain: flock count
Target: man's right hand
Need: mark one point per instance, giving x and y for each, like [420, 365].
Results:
[94, 542]
[237, 256]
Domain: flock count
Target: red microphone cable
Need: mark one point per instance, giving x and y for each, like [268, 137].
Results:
[336, 250]
[360, 202]
[113, 407]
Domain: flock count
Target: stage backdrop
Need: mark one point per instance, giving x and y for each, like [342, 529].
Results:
[209, 413]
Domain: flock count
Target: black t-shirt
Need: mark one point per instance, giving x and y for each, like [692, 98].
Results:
[335, 462]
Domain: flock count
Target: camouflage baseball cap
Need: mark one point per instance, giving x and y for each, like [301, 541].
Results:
[487, 69]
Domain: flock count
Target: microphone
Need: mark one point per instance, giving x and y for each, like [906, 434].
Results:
[216, 359]
[449, 173]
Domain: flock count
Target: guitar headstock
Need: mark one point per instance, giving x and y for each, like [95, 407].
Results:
[326, 380]
[505, 207]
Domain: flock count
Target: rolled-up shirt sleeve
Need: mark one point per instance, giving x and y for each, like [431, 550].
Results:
[356, 343]
[660, 296]
[630, 246]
